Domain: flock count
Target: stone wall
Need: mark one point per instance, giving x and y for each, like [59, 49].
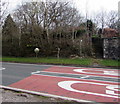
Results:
[111, 48]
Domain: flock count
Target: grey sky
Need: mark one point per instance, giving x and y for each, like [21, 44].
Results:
[91, 6]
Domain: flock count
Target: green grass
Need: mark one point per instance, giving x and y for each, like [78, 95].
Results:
[110, 63]
[48, 60]
[63, 61]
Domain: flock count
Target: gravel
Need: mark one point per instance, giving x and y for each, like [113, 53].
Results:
[12, 96]
[21, 97]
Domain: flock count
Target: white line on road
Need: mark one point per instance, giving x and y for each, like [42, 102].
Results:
[103, 81]
[2, 68]
[74, 74]
[85, 77]
[67, 85]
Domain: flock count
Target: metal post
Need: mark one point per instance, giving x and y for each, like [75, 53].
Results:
[80, 47]
[36, 50]
[58, 53]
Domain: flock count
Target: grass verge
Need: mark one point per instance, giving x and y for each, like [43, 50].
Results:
[64, 61]
[110, 63]
[48, 60]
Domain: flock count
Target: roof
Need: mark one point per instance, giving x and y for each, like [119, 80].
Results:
[109, 33]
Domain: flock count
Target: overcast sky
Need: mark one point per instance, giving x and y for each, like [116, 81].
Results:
[92, 6]
[96, 5]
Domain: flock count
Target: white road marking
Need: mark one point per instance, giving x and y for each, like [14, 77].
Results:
[2, 68]
[104, 72]
[37, 73]
[112, 89]
[67, 86]
[85, 76]
[76, 78]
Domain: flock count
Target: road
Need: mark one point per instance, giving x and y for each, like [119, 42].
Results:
[74, 83]
[13, 72]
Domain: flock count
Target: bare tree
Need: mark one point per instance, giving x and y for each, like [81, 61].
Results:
[48, 24]
[101, 18]
[3, 11]
[112, 17]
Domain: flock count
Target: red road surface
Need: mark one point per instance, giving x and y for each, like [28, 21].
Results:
[81, 89]
[85, 71]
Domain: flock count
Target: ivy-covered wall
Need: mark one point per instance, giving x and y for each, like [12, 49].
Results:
[111, 48]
